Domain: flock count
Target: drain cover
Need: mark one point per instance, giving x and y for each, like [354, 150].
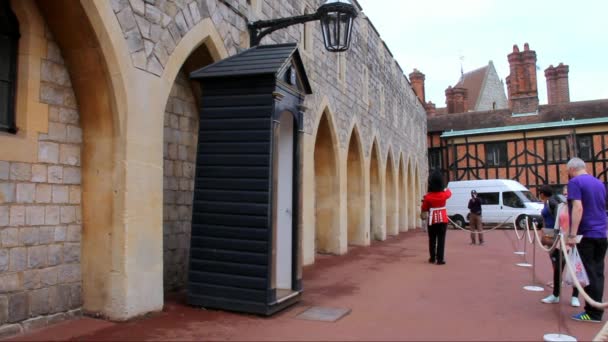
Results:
[317, 313]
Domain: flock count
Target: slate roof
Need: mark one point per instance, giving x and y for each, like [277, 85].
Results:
[259, 60]
[504, 117]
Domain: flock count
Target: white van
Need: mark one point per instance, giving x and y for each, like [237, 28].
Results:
[501, 200]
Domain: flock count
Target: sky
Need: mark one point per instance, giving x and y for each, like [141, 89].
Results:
[436, 36]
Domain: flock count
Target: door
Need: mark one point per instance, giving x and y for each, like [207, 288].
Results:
[284, 230]
[490, 206]
[512, 206]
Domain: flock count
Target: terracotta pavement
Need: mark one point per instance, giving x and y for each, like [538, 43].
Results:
[394, 294]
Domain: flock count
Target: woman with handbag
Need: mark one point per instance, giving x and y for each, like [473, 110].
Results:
[555, 215]
[433, 209]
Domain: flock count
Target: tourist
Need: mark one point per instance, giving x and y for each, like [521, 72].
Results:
[587, 206]
[552, 213]
[433, 203]
[475, 221]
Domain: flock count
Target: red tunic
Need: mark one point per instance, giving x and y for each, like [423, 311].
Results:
[434, 202]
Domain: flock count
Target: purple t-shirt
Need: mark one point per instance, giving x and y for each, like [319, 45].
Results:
[592, 193]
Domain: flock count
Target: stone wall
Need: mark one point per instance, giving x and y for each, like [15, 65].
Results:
[181, 133]
[40, 212]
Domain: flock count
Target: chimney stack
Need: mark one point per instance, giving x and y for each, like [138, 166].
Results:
[558, 89]
[417, 80]
[430, 108]
[456, 100]
[522, 83]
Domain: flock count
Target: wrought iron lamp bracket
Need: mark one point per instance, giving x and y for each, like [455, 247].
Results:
[261, 28]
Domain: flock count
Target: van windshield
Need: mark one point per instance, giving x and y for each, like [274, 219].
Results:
[527, 196]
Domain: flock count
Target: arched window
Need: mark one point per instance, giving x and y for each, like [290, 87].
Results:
[9, 38]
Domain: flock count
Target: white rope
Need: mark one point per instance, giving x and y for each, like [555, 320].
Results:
[538, 239]
[476, 232]
[578, 285]
[516, 233]
[528, 231]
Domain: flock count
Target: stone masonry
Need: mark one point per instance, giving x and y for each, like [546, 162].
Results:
[40, 214]
[181, 132]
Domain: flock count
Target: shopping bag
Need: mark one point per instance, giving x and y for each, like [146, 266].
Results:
[579, 268]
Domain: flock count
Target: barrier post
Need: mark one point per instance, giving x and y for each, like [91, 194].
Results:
[533, 287]
[525, 264]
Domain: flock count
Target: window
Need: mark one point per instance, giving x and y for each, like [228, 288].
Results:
[435, 158]
[556, 150]
[9, 38]
[584, 146]
[510, 199]
[488, 198]
[496, 154]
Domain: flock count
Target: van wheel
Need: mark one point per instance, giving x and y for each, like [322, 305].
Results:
[521, 222]
[459, 220]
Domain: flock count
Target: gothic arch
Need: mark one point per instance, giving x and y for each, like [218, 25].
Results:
[327, 186]
[392, 227]
[377, 219]
[401, 188]
[355, 189]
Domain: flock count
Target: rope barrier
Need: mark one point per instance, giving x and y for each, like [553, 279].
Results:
[578, 285]
[516, 233]
[538, 239]
[476, 232]
[528, 230]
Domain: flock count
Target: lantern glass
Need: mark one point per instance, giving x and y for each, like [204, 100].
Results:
[337, 23]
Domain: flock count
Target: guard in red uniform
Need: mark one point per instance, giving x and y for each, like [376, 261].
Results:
[434, 203]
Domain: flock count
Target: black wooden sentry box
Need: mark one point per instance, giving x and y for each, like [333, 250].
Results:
[245, 251]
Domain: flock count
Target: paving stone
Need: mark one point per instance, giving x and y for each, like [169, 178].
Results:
[324, 314]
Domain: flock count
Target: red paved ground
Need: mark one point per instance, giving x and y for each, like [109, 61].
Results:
[394, 294]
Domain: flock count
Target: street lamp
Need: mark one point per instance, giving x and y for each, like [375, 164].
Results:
[336, 18]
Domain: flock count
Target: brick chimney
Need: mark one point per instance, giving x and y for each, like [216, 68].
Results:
[417, 80]
[456, 99]
[563, 88]
[551, 76]
[430, 108]
[558, 89]
[522, 83]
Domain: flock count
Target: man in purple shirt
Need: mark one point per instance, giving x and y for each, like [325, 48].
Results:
[587, 205]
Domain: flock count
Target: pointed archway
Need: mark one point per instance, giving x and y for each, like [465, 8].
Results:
[392, 227]
[355, 190]
[377, 218]
[418, 198]
[411, 196]
[327, 197]
[401, 186]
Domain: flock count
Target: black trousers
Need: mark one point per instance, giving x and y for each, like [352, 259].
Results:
[437, 241]
[592, 252]
[557, 275]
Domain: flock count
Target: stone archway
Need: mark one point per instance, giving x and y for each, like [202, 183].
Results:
[401, 186]
[355, 190]
[392, 227]
[327, 196]
[377, 218]
[411, 198]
